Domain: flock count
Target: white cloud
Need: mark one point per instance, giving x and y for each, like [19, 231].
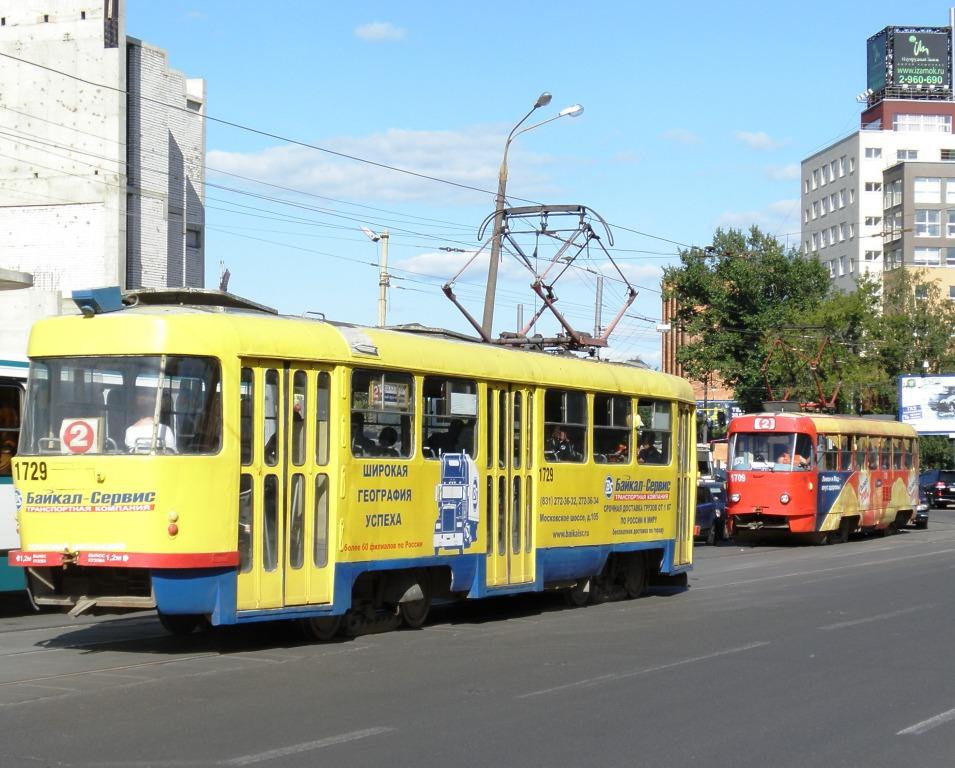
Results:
[782, 172]
[471, 157]
[757, 140]
[378, 31]
[780, 218]
[682, 136]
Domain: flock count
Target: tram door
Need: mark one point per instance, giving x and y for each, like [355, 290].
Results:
[284, 485]
[509, 486]
[686, 486]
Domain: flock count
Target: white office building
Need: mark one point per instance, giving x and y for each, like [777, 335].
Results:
[102, 150]
[844, 199]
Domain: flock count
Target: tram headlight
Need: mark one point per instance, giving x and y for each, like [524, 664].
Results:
[734, 497]
[173, 529]
[784, 498]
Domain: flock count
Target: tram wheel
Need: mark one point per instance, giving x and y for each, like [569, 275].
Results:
[321, 628]
[635, 577]
[578, 595]
[414, 613]
[181, 623]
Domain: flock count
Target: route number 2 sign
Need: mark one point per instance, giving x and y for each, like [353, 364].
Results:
[80, 435]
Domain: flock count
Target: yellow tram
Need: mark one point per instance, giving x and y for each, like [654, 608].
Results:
[202, 455]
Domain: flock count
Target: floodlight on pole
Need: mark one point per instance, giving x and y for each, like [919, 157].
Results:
[384, 279]
[500, 202]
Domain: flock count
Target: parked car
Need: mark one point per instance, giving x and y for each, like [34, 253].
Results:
[939, 486]
[920, 518]
[710, 511]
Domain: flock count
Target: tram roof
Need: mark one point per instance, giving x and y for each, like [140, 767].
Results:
[825, 423]
[224, 333]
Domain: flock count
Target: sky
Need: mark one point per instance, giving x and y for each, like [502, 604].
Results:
[328, 117]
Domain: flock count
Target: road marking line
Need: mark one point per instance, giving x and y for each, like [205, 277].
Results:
[637, 672]
[122, 668]
[330, 741]
[834, 569]
[926, 725]
[877, 617]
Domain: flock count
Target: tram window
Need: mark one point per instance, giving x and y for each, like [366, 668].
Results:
[501, 515]
[612, 429]
[450, 416]
[907, 460]
[654, 422]
[501, 428]
[322, 418]
[860, 449]
[518, 433]
[827, 452]
[489, 508]
[489, 429]
[9, 426]
[529, 442]
[245, 523]
[320, 547]
[296, 526]
[873, 458]
[565, 425]
[270, 527]
[528, 514]
[516, 517]
[382, 414]
[135, 404]
[802, 459]
[845, 453]
[896, 453]
[299, 416]
[246, 401]
[271, 417]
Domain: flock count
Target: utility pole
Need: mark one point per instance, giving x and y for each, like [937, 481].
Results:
[384, 279]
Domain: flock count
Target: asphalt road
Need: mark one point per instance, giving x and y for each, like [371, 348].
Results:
[774, 656]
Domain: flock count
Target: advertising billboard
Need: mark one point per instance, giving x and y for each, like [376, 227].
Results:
[909, 58]
[921, 58]
[876, 58]
[928, 403]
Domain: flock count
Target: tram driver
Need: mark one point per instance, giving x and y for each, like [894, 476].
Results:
[139, 435]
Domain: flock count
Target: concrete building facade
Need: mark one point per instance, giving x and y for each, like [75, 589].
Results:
[845, 197]
[101, 160]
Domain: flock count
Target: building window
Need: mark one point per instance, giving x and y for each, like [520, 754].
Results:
[815, 179]
[928, 222]
[873, 186]
[852, 230]
[873, 221]
[893, 194]
[842, 232]
[832, 201]
[926, 257]
[921, 291]
[873, 152]
[842, 265]
[907, 154]
[852, 196]
[852, 165]
[842, 198]
[815, 208]
[195, 106]
[893, 226]
[872, 255]
[832, 271]
[814, 240]
[805, 187]
[948, 154]
[851, 265]
[950, 257]
[950, 223]
[922, 124]
[928, 189]
[193, 237]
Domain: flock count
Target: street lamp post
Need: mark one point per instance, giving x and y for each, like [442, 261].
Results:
[384, 279]
[542, 101]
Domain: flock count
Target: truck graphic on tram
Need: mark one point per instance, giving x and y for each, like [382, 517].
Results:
[457, 499]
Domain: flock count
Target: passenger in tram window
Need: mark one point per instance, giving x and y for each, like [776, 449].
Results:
[8, 449]
[648, 453]
[360, 444]
[386, 442]
[561, 446]
[139, 435]
[619, 456]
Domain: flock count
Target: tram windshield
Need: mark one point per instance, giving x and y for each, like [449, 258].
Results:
[123, 405]
[773, 451]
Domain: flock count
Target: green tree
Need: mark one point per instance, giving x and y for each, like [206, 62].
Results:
[734, 298]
